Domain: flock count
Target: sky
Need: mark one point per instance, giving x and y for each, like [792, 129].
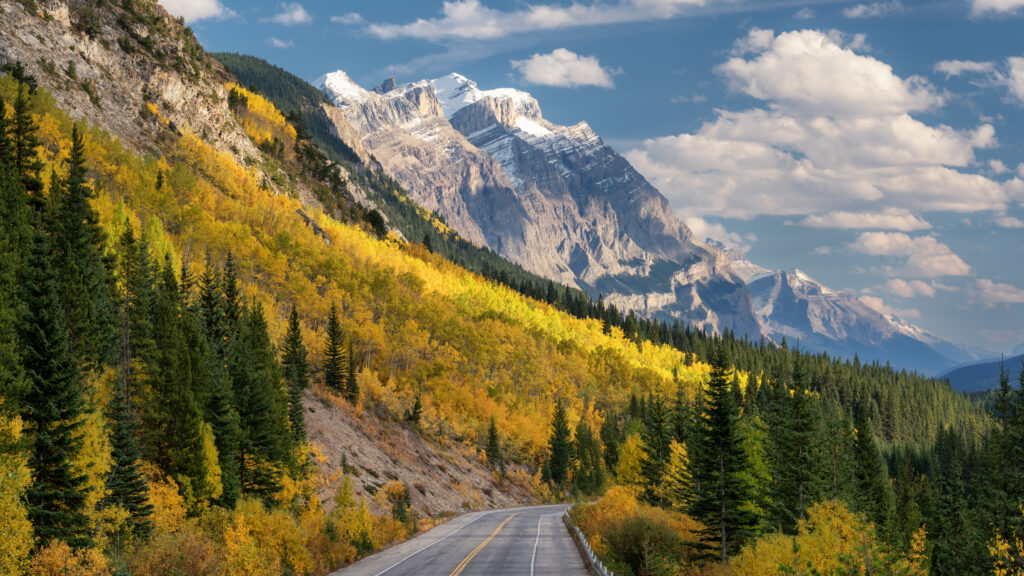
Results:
[877, 146]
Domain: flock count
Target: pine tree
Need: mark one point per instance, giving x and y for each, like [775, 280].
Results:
[296, 376]
[874, 492]
[14, 235]
[220, 413]
[559, 445]
[724, 494]
[610, 438]
[262, 404]
[175, 424]
[589, 467]
[657, 438]
[798, 472]
[82, 270]
[231, 296]
[125, 485]
[334, 359]
[25, 143]
[53, 405]
[493, 448]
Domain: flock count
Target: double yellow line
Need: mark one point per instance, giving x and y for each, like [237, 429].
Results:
[462, 565]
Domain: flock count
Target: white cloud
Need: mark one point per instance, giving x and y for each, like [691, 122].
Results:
[348, 19]
[702, 229]
[469, 19]
[1020, 169]
[822, 250]
[291, 14]
[278, 43]
[804, 13]
[998, 166]
[905, 289]
[193, 10]
[809, 72]
[873, 10]
[1010, 222]
[982, 7]
[889, 219]
[879, 305]
[957, 67]
[1015, 77]
[564, 69]
[991, 294]
[922, 257]
[836, 135]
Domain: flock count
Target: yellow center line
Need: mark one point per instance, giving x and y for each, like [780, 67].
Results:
[462, 565]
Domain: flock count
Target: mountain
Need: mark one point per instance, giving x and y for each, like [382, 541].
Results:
[808, 314]
[984, 375]
[564, 205]
[554, 199]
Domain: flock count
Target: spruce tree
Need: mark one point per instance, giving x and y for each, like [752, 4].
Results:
[296, 376]
[25, 143]
[874, 492]
[724, 493]
[125, 486]
[559, 445]
[14, 235]
[220, 413]
[590, 465]
[798, 471]
[82, 269]
[334, 357]
[657, 437]
[53, 405]
[265, 446]
[175, 421]
[493, 448]
[610, 438]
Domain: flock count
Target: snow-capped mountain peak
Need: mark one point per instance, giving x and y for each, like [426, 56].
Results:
[456, 92]
[342, 89]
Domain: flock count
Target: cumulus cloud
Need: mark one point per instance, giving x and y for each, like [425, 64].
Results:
[703, 229]
[1015, 77]
[564, 69]
[873, 10]
[193, 10]
[879, 305]
[809, 72]
[1010, 222]
[469, 19]
[991, 294]
[989, 7]
[958, 67]
[911, 289]
[278, 43]
[922, 257]
[348, 19]
[291, 14]
[836, 135]
[889, 219]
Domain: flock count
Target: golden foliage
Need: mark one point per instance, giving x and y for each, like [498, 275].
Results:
[57, 559]
[1007, 552]
[261, 120]
[168, 504]
[15, 476]
[627, 470]
[830, 538]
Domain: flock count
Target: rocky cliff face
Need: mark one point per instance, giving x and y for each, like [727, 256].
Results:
[113, 66]
[554, 199]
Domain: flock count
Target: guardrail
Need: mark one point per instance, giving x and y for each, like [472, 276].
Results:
[595, 562]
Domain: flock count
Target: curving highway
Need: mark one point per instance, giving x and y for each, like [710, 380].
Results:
[515, 542]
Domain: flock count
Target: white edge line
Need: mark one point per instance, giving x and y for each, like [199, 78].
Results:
[535, 543]
[389, 568]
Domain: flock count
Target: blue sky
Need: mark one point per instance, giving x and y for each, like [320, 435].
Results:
[878, 146]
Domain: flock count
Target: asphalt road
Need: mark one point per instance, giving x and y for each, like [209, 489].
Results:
[515, 542]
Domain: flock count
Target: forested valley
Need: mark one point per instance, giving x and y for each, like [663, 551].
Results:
[165, 319]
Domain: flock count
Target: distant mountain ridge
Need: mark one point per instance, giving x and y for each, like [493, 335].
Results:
[563, 204]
